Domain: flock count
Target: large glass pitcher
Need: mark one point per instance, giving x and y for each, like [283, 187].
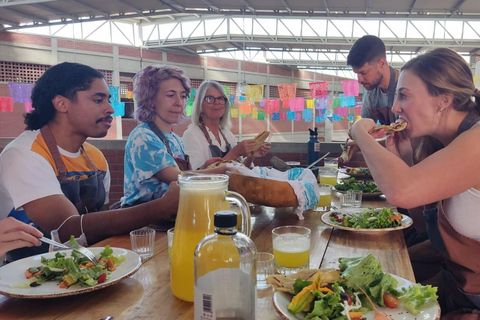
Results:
[200, 197]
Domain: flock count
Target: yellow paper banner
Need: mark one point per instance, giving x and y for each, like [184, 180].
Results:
[476, 81]
[254, 113]
[254, 92]
[310, 103]
[234, 113]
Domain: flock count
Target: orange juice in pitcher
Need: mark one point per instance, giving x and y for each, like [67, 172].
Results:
[200, 197]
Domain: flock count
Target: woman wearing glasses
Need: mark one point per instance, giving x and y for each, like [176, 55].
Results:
[209, 134]
[154, 155]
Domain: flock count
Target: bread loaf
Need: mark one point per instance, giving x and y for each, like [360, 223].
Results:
[268, 192]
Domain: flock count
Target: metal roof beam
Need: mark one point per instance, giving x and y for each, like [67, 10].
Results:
[410, 11]
[287, 7]
[91, 9]
[33, 18]
[24, 2]
[174, 6]
[11, 23]
[248, 6]
[211, 6]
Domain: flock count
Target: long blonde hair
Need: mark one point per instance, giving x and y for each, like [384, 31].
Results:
[444, 71]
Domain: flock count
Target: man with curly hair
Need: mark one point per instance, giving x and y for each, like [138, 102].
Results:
[50, 177]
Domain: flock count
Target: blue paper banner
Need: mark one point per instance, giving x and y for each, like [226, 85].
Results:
[115, 95]
[290, 115]
[119, 108]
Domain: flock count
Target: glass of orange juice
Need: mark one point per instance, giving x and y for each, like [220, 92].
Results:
[291, 249]
[325, 199]
[327, 175]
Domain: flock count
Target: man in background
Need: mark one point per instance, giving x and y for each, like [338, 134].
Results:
[368, 60]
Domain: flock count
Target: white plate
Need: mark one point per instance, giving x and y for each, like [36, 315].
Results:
[355, 175]
[364, 195]
[405, 222]
[431, 311]
[14, 272]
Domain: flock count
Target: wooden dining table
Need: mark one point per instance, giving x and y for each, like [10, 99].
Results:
[147, 294]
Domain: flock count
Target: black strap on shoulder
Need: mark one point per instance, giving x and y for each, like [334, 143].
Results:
[392, 87]
[162, 137]
[468, 122]
[53, 148]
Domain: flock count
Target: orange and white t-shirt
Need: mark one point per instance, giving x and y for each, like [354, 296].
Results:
[28, 172]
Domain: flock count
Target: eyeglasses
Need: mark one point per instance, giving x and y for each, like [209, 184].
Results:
[212, 100]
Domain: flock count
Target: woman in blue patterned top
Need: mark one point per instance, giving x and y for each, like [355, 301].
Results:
[153, 150]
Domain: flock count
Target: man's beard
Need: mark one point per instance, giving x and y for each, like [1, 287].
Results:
[375, 84]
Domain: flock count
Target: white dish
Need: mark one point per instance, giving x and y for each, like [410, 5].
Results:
[405, 223]
[14, 272]
[431, 311]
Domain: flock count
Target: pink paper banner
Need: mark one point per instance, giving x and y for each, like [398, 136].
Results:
[28, 106]
[318, 89]
[297, 104]
[283, 115]
[358, 109]
[350, 88]
[272, 105]
[6, 104]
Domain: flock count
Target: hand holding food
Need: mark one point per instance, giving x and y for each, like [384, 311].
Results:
[398, 125]
[259, 140]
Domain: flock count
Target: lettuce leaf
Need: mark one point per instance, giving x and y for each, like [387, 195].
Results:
[366, 272]
[415, 296]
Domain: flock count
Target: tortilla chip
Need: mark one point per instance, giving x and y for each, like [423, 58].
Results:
[259, 140]
[397, 126]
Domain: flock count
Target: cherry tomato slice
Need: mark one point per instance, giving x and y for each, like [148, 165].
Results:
[102, 278]
[390, 300]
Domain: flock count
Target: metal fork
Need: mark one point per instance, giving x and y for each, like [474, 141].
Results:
[84, 251]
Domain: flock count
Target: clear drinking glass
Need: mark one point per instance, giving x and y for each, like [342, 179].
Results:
[327, 175]
[143, 241]
[330, 162]
[265, 268]
[291, 249]
[325, 200]
[358, 198]
[347, 200]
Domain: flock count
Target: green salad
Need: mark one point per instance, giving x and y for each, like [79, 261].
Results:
[354, 184]
[74, 269]
[371, 218]
[345, 298]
